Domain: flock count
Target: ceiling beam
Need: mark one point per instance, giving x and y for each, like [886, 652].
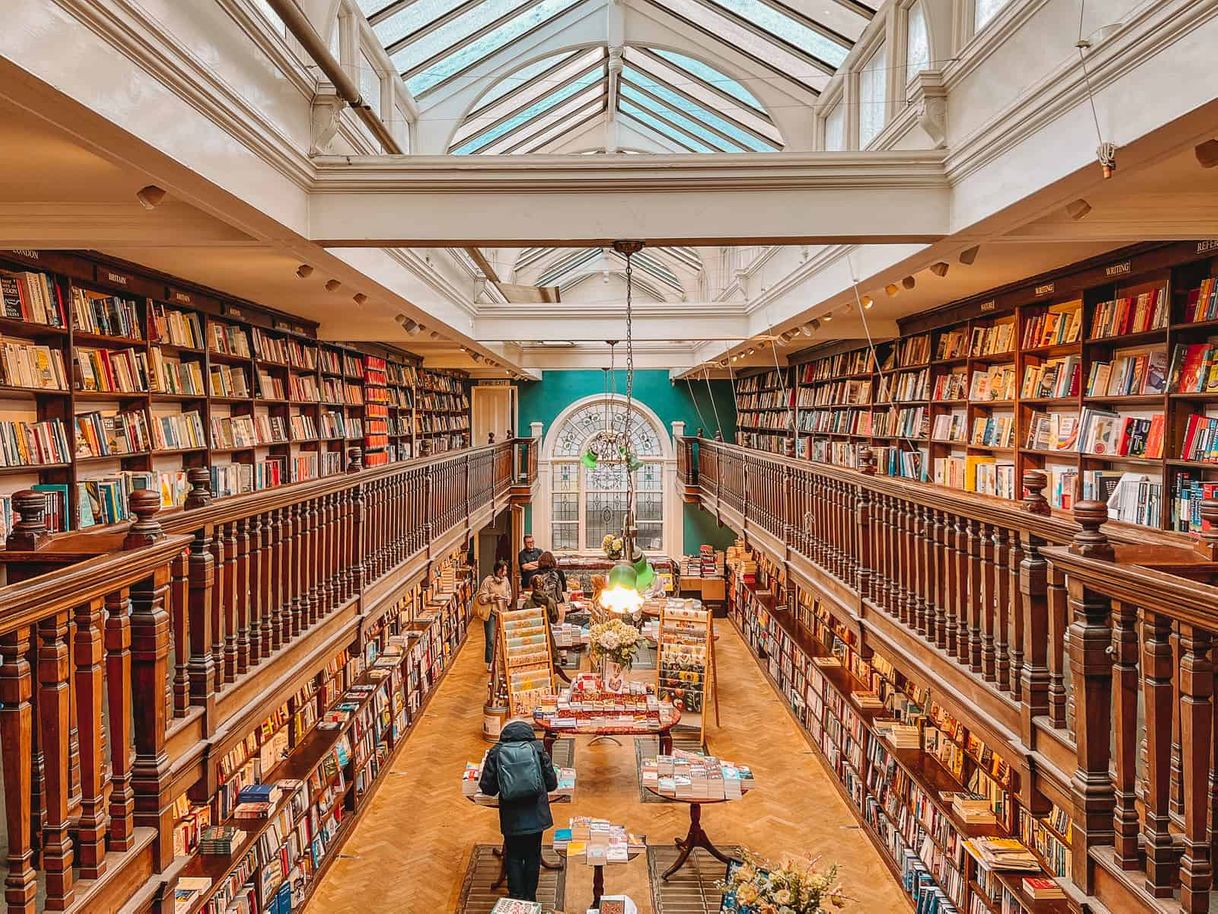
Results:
[577, 201]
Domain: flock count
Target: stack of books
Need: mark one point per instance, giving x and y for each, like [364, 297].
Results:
[255, 801]
[972, 808]
[1042, 887]
[1002, 854]
[217, 839]
[514, 906]
[685, 776]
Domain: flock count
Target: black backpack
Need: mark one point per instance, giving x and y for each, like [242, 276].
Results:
[519, 772]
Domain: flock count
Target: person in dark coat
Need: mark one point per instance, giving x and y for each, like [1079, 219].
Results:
[522, 822]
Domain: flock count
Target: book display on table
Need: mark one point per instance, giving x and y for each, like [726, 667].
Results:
[1105, 381]
[105, 372]
[685, 661]
[943, 808]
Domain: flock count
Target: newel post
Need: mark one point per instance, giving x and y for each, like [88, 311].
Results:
[1091, 669]
[1034, 501]
[355, 459]
[199, 495]
[30, 530]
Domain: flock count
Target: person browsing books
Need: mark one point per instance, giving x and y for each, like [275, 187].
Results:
[494, 596]
[519, 772]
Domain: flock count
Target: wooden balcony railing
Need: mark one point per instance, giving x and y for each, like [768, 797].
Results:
[1040, 629]
[132, 661]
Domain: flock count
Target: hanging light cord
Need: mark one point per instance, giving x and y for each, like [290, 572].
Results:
[711, 394]
[629, 381]
[693, 396]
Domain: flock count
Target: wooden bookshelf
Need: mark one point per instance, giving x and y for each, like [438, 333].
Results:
[815, 663]
[1109, 324]
[203, 381]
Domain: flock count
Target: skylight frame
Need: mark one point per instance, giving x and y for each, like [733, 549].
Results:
[664, 131]
[589, 99]
[673, 118]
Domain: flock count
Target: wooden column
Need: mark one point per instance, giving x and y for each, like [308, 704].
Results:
[53, 718]
[227, 577]
[16, 756]
[257, 607]
[180, 604]
[242, 585]
[1196, 722]
[864, 522]
[1002, 608]
[89, 652]
[1091, 668]
[202, 664]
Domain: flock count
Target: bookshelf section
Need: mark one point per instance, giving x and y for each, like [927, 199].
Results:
[290, 790]
[940, 805]
[1105, 377]
[112, 381]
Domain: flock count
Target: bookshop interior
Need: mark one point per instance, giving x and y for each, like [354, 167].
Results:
[608, 456]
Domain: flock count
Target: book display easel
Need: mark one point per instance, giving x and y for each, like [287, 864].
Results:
[291, 790]
[685, 662]
[943, 809]
[1104, 376]
[113, 379]
[528, 664]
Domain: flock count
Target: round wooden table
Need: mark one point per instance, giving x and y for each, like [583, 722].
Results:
[669, 718]
[481, 799]
[695, 837]
[598, 872]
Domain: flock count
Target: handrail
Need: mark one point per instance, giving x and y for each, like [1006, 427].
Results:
[1085, 648]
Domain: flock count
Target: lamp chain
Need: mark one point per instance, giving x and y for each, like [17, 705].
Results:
[629, 381]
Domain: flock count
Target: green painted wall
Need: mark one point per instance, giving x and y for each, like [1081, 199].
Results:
[691, 403]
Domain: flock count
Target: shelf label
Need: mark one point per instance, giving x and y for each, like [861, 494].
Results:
[987, 306]
[1204, 247]
[233, 311]
[1119, 269]
[1046, 289]
[182, 298]
[26, 253]
[117, 278]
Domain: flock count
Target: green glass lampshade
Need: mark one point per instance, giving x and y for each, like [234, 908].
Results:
[643, 579]
[623, 575]
[588, 459]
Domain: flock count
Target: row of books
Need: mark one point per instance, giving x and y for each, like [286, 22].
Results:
[1052, 379]
[107, 315]
[1106, 433]
[1131, 314]
[1132, 372]
[1057, 325]
[997, 338]
[177, 328]
[31, 297]
[112, 370]
[284, 350]
[25, 364]
[174, 376]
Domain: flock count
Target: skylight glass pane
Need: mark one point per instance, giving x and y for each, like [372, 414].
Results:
[646, 117]
[527, 96]
[369, 7]
[574, 120]
[446, 36]
[788, 29]
[743, 137]
[486, 45]
[984, 11]
[917, 41]
[711, 75]
[519, 78]
[732, 34]
[873, 97]
[539, 107]
[680, 120]
[577, 107]
[711, 99]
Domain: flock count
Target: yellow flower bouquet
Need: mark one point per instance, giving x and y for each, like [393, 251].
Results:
[756, 886]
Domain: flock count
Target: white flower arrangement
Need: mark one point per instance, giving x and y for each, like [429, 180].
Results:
[615, 640]
[795, 887]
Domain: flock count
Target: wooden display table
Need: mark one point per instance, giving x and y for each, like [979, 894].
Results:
[669, 718]
[598, 866]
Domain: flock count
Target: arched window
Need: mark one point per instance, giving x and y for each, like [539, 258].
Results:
[586, 504]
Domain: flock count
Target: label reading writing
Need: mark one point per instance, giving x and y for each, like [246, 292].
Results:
[988, 305]
[1044, 290]
[1118, 269]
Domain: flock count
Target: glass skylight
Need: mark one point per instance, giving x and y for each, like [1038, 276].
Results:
[534, 110]
[697, 112]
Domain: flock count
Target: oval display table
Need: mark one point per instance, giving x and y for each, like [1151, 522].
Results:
[669, 718]
[695, 837]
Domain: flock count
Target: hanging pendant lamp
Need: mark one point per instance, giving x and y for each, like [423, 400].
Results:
[633, 574]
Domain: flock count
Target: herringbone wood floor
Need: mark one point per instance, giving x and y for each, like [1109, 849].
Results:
[409, 852]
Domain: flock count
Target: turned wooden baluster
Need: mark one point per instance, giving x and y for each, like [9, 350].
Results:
[970, 615]
[356, 542]
[922, 558]
[904, 611]
[293, 622]
[278, 567]
[1002, 608]
[944, 627]
[16, 760]
[231, 600]
[1059, 634]
[1034, 613]
[1091, 668]
[245, 607]
[255, 559]
[1196, 723]
[308, 567]
[987, 602]
[327, 589]
[953, 582]
[1125, 693]
[54, 715]
[1157, 700]
[865, 534]
[1018, 615]
[118, 717]
[218, 607]
[89, 653]
[180, 603]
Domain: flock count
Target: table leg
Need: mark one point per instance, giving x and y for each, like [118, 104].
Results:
[695, 838]
[501, 853]
[547, 865]
[548, 741]
[598, 885]
[666, 743]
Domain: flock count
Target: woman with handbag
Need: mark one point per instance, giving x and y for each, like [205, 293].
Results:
[494, 596]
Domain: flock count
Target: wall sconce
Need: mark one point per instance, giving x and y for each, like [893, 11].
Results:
[867, 301]
[891, 289]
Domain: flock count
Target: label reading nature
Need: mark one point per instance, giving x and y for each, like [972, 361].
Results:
[988, 305]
